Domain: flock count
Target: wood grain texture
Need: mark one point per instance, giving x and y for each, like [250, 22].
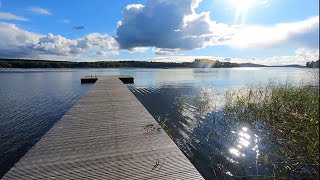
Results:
[107, 134]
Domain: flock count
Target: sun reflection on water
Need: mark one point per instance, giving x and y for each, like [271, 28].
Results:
[244, 143]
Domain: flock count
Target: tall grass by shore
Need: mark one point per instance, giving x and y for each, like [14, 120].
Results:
[285, 115]
[291, 115]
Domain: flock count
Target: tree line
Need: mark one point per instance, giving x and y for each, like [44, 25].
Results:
[312, 64]
[198, 63]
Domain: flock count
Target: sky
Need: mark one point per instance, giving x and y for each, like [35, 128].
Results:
[271, 32]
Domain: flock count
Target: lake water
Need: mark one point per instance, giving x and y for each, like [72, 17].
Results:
[33, 100]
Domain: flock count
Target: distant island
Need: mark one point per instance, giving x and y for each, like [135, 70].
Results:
[197, 63]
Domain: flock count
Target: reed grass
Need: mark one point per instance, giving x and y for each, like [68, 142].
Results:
[291, 115]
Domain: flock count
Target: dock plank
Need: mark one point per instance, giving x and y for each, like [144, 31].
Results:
[107, 134]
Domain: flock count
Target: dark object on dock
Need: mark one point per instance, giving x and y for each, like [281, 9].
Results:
[88, 80]
[93, 79]
[126, 79]
[107, 134]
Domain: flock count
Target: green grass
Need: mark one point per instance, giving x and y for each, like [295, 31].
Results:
[285, 115]
[291, 115]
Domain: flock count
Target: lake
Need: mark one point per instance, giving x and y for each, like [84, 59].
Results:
[32, 100]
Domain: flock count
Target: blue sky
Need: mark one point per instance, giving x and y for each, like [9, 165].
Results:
[259, 31]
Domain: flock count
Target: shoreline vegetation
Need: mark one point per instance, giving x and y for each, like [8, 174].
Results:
[197, 63]
[291, 116]
[285, 118]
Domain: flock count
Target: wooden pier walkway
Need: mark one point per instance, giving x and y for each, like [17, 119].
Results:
[107, 134]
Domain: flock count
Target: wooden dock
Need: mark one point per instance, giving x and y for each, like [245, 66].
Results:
[107, 134]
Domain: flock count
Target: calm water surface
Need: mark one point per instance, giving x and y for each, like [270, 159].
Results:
[33, 100]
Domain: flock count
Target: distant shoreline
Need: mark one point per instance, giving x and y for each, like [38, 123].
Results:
[4, 68]
[27, 64]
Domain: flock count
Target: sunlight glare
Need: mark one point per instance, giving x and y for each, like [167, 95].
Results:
[234, 151]
[242, 5]
[241, 8]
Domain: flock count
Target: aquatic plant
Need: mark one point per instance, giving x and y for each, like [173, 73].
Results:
[291, 115]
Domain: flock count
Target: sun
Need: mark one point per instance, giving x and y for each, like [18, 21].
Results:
[241, 8]
[242, 5]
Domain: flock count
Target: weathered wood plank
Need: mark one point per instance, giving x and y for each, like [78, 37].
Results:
[107, 134]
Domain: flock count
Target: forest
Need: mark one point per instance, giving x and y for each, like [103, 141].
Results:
[198, 63]
[312, 64]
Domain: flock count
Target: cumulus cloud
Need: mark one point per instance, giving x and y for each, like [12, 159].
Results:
[102, 41]
[164, 24]
[174, 25]
[16, 42]
[56, 45]
[39, 10]
[10, 16]
[59, 45]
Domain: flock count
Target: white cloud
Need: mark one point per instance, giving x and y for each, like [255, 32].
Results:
[16, 42]
[66, 21]
[164, 24]
[59, 45]
[39, 10]
[174, 58]
[105, 53]
[10, 16]
[300, 56]
[139, 50]
[170, 26]
[307, 54]
[56, 45]
[134, 7]
[102, 41]
[167, 27]
[294, 34]
[263, 2]
[165, 51]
